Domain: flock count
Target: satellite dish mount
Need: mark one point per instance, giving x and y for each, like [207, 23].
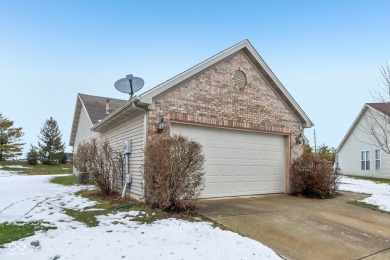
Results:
[129, 84]
[130, 78]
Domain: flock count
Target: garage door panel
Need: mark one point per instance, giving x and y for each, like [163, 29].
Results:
[212, 152]
[228, 153]
[238, 162]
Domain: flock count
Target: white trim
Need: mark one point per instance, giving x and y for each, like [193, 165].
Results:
[350, 130]
[337, 162]
[356, 122]
[128, 105]
[378, 159]
[76, 118]
[364, 159]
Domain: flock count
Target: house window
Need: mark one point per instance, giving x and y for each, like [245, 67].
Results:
[377, 159]
[365, 160]
[336, 163]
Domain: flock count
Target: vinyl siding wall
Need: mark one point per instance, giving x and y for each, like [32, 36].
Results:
[84, 132]
[350, 154]
[132, 128]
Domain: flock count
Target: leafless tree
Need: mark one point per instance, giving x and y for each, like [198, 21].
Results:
[382, 93]
[377, 121]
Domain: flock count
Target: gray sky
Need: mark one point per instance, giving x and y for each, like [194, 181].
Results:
[327, 54]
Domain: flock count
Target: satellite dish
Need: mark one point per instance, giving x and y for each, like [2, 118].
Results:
[129, 84]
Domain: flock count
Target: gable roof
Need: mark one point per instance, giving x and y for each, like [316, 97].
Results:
[146, 99]
[383, 108]
[96, 110]
[96, 106]
[245, 46]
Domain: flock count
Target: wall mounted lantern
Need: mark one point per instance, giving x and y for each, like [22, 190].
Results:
[161, 125]
[300, 139]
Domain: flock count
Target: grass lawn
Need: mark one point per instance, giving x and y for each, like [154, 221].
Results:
[65, 180]
[377, 180]
[368, 206]
[36, 169]
[12, 232]
[106, 206]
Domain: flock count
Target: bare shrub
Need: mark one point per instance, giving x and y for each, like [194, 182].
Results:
[314, 176]
[103, 164]
[118, 168]
[173, 172]
[81, 157]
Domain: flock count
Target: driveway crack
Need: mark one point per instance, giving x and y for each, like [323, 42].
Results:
[380, 251]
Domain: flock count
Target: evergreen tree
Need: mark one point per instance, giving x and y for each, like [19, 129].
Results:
[50, 145]
[10, 139]
[328, 153]
[32, 156]
[307, 149]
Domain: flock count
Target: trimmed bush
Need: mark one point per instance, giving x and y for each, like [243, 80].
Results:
[314, 176]
[173, 171]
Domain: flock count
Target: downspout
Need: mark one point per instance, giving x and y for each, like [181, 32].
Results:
[127, 175]
[145, 110]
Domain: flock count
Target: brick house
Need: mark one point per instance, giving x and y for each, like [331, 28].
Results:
[232, 103]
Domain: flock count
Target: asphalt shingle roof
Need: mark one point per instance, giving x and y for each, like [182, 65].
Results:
[96, 106]
[381, 107]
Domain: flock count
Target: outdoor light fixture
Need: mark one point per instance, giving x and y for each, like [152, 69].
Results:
[161, 125]
[299, 139]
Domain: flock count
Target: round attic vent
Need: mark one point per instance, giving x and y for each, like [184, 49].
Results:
[239, 79]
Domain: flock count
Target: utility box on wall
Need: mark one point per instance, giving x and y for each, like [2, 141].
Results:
[127, 147]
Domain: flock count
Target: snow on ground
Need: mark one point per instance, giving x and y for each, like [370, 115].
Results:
[34, 198]
[380, 192]
[18, 167]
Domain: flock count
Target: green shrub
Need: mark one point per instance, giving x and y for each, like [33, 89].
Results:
[173, 171]
[32, 156]
[314, 176]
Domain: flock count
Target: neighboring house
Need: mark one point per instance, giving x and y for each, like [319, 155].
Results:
[357, 153]
[249, 125]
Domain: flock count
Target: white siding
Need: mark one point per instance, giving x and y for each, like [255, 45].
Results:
[132, 128]
[84, 132]
[350, 154]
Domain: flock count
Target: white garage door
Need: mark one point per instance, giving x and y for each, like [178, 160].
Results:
[239, 162]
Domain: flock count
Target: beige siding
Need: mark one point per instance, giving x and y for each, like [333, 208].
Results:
[132, 128]
[350, 154]
[84, 132]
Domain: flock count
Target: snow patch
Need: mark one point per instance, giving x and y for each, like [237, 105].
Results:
[18, 167]
[380, 192]
[34, 198]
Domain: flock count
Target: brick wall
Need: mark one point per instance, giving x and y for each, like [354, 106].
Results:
[211, 98]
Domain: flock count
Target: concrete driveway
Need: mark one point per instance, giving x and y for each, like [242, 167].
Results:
[301, 228]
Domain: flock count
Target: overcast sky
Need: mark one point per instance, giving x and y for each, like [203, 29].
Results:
[326, 53]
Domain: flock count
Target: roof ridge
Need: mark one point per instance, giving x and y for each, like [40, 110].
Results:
[203, 61]
[102, 97]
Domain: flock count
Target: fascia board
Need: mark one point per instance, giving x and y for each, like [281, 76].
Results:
[351, 129]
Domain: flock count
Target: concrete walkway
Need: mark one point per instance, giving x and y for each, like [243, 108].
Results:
[301, 228]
